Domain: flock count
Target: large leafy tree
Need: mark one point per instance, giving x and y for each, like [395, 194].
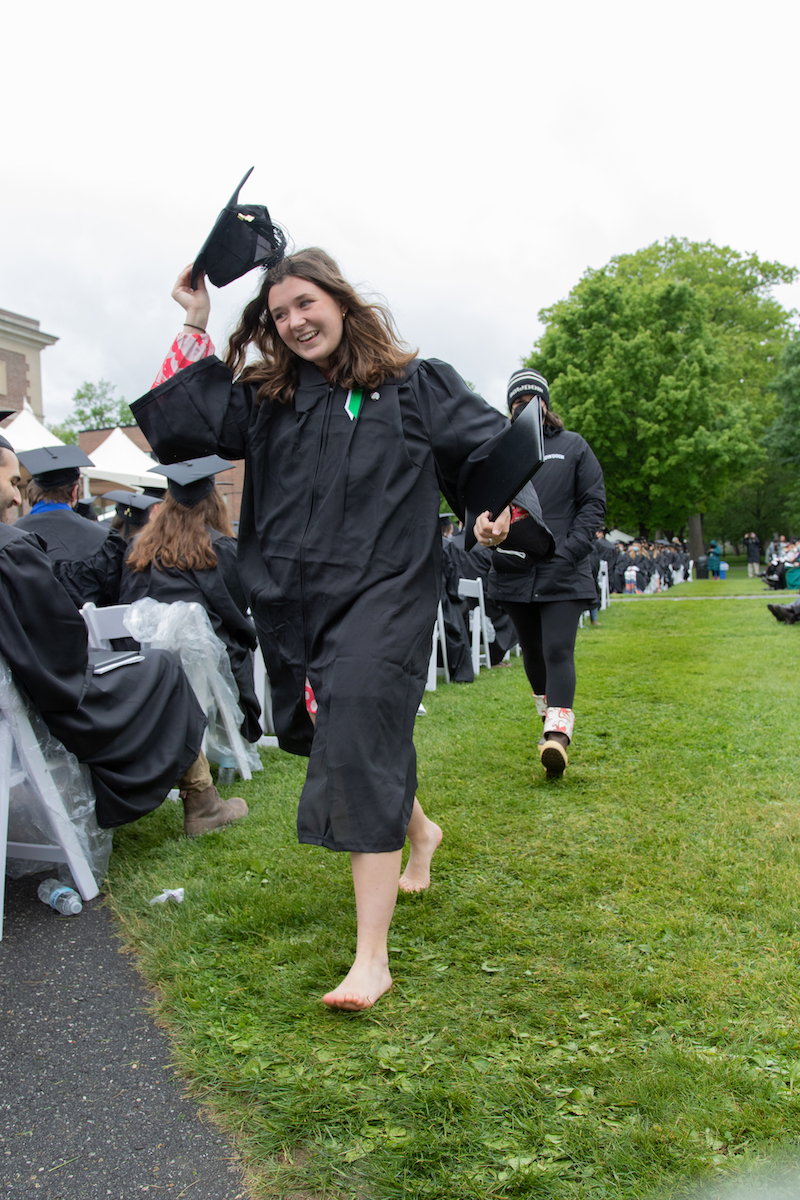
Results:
[95, 407]
[663, 360]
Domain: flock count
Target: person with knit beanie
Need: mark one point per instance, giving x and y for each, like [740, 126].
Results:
[545, 600]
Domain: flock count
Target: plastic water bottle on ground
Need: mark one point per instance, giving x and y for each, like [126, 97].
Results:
[227, 772]
[59, 896]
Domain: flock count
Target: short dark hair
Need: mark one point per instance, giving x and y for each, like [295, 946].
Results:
[59, 495]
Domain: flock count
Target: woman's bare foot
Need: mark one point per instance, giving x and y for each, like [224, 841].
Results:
[417, 875]
[361, 987]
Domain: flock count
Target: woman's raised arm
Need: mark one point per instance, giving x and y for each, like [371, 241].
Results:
[197, 302]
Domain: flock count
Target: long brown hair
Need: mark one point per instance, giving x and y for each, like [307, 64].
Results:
[177, 536]
[369, 352]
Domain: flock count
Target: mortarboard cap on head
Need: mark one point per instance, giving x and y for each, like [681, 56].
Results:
[192, 480]
[132, 507]
[243, 237]
[158, 493]
[85, 508]
[54, 466]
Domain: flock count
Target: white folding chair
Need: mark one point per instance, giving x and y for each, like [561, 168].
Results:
[472, 589]
[605, 587]
[104, 624]
[690, 578]
[264, 693]
[21, 759]
[439, 639]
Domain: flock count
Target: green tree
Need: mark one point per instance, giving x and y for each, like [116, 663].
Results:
[663, 360]
[96, 407]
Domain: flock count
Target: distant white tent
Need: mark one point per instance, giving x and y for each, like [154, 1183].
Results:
[118, 460]
[617, 535]
[26, 432]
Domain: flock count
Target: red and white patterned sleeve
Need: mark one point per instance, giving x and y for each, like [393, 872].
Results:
[187, 348]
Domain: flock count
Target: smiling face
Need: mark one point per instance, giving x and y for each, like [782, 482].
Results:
[307, 319]
[9, 482]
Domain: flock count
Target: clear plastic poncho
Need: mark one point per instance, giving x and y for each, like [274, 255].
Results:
[185, 629]
[51, 797]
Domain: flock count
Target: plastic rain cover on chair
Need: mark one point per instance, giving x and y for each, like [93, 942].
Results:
[185, 629]
[28, 821]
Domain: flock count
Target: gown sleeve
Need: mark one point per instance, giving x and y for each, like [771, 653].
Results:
[225, 549]
[198, 410]
[459, 424]
[95, 579]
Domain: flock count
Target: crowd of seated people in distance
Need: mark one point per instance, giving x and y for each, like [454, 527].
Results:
[647, 566]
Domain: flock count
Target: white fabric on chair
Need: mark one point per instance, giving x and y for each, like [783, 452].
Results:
[46, 799]
[185, 629]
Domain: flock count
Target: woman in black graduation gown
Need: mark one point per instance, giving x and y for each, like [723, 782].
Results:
[188, 552]
[347, 439]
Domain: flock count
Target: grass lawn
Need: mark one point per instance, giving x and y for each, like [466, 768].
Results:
[599, 995]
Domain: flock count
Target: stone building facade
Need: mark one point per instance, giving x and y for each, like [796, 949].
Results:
[21, 343]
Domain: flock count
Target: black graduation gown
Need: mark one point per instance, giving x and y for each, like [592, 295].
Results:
[219, 591]
[340, 557]
[138, 728]
[66, 534]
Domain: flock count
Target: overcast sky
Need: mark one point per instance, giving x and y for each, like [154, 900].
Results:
[465, 161]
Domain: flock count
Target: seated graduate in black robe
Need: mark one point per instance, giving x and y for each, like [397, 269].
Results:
[137, 728]
[188, 552]
[52, 494]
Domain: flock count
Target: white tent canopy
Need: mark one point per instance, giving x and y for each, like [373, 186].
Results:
[617, 535]
[118, 460]
[25, 432]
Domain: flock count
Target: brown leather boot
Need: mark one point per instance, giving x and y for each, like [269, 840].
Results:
[206, 810]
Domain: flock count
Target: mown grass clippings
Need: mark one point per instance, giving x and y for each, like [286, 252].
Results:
[597, 998]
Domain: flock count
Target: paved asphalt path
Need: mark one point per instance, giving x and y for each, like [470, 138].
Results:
[89, 1106]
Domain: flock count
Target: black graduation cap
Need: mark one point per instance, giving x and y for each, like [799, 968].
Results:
[158, 493]
[7, 412]
[515, 456]
[132, 507]
[54, 466]
[85, 508]
[192, 480]
[243, 237]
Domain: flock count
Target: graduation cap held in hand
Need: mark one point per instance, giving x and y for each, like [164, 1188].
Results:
[243, 237]
[513, 459]
[192, 480]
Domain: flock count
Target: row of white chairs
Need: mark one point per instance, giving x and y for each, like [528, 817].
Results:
[468, 589]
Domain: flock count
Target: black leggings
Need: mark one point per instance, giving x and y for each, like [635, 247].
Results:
[546, 634]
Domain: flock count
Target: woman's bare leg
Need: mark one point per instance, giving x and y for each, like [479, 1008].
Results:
[424, 836]
[375, 880]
